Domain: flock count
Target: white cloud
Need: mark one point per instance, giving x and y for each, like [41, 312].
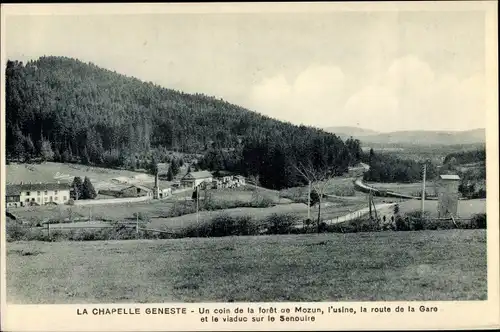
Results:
[371, 107]
[310, 99]
[411, 96]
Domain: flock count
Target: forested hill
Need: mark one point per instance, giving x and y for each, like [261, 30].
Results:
[69, 110]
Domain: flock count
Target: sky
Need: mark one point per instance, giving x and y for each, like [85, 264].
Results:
[385, 71]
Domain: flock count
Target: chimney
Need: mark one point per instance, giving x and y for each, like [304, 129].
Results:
[156, 190]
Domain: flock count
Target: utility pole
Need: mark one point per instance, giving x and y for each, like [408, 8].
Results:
[370, 202]
[197, 198]
[423, 190]
[309, 200]
[137, 222]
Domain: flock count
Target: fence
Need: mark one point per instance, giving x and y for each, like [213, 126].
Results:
[112, 200]
[134, 225]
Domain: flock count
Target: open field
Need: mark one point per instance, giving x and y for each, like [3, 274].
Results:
[108, 212]
[329, 210]
[247, 194]
[405, 188]
[339, 186]
[151, 208]
[388, 266]
[466, 208]
[50, 172]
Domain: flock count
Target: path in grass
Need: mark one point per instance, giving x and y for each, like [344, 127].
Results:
[382, 266]
[329, 210]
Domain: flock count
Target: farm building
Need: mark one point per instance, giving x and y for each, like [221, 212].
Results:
[227, 180]
[135, 191]
[240, 180]
[25, 194]
[447, 191]
[194, 179]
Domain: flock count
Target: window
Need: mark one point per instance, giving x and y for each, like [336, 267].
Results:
[55, 198]
[51, 198]
[27, 200]
[38, 193]
[46, 192]
[28, 193]
[64, 198]
[55, 192]
[45, 199]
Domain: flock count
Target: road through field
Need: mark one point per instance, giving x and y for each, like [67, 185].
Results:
[358, 213]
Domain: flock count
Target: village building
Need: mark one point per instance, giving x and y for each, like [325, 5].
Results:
[447, 191]
[239, 180]
[194, 179]
[26, 194]
[135, 190]
[223, 179]
[158, 191]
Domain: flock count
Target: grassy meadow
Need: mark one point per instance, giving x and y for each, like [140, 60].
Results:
[50, 172]
[466, 208]
[413, 189]
[328, 211]
[423, 265]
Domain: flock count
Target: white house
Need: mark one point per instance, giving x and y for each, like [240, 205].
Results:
[25, 194]
[194, 179]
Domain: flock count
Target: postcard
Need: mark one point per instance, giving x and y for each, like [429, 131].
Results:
[248, 166]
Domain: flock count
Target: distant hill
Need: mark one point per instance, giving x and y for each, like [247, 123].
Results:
[416, 137]
[346, 132]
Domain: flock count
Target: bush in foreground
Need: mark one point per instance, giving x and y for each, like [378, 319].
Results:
[227, 225]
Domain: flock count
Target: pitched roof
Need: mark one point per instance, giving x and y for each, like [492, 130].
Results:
[15, 189]
[449, 177]
[137, 186]
[199, 175]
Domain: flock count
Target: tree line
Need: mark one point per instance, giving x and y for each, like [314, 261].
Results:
[466, 157]
[385, 167]
[65, 110]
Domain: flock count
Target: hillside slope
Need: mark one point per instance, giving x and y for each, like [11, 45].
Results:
[63, 109]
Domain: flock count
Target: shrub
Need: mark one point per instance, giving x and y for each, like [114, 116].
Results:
[16, 232]
[479, 220]
[142, 216]
[280, 223]
[402, 224]
[221, 225]
[246, 226]
[354, 226]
